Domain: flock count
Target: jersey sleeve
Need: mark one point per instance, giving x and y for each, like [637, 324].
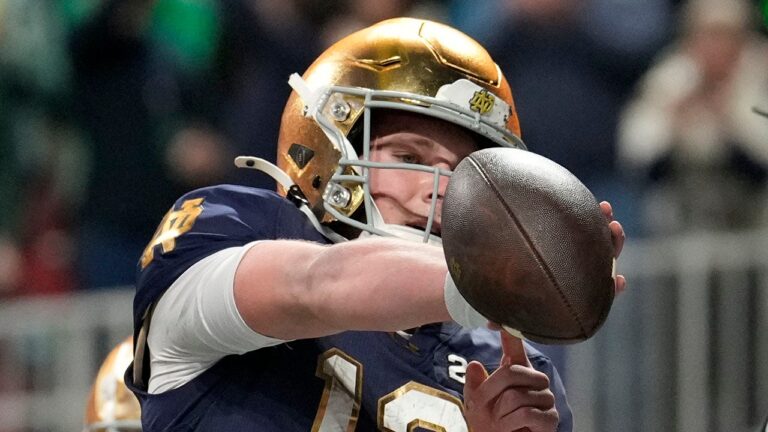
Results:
[209, 220]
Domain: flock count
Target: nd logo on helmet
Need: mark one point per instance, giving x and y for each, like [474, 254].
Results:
[482, 101]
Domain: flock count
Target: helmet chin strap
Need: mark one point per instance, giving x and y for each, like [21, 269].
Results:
[405, 233]
[399, 231]
[266, 167]
[285, 181]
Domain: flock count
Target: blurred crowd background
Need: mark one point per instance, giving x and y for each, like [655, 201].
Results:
[110, 109]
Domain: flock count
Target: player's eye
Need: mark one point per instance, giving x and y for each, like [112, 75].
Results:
[408, 158]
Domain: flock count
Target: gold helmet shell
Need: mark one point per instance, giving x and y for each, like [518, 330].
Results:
[402, 63]
[112, 407]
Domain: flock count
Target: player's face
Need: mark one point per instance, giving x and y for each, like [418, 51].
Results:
[404, 196]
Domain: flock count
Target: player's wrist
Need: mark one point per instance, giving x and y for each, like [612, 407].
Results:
[460, 311]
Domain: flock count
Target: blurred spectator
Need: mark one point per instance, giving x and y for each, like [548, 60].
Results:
[42, 163]
[262, 43]
[571, 65]
[10, 264]
[197, 156]
[169, 92]
[50, 172]
[113, 108]
[690, 132]
[128, 189]
[141, 71]
[52, 193]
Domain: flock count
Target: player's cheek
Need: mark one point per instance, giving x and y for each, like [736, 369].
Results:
[390, 182]
[404, 186]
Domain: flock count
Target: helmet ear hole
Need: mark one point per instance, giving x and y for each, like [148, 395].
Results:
[316, 182]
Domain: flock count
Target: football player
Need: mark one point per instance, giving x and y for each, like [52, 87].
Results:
[255, 311]
[111, 407]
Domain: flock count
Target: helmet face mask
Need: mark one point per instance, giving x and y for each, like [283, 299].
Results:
[402, 64]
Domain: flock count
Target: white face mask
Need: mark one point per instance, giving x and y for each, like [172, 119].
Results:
[452, 103]
[406, 233]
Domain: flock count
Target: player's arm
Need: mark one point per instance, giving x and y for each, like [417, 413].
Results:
[294, 290]
[264, 293]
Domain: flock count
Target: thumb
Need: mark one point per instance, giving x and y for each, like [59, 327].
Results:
[513, 350]
[475, 376]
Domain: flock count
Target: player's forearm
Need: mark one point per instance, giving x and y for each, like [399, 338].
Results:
[384, 284]
[292, 291]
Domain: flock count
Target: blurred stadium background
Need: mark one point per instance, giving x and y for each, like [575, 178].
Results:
[111, 109]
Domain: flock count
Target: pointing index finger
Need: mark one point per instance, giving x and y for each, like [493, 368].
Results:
[513, 350]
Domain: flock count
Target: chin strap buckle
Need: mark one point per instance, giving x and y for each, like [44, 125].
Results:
[296, 196]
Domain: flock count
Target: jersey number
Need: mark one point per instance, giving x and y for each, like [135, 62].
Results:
[410, 406]
[174, 224]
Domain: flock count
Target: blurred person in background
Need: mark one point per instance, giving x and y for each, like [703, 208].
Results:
[10, 255]
[112, 106]
[260, 43]
[114, 86]
[690, 134]
[137, 72]
[573, 64]
[43, 159]
[51, 197]
[169, 91]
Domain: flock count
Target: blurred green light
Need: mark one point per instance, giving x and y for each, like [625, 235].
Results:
[764, 11]
[189, 28]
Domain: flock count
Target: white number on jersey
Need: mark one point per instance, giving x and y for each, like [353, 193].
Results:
[412, 405]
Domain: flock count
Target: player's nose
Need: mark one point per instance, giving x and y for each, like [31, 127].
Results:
[433, 187]
[432, 194]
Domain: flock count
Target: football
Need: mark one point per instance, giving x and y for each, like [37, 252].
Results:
[527, 245]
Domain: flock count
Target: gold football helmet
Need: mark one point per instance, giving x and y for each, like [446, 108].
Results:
[406, 64]
[112, 407]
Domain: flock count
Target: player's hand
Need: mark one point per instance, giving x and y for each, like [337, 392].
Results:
[516, 397]
[618, 237]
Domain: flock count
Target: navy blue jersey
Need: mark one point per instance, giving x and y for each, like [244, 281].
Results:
[351, 381]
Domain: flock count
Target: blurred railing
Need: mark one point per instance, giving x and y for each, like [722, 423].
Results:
[685, 348]
[50, 350]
